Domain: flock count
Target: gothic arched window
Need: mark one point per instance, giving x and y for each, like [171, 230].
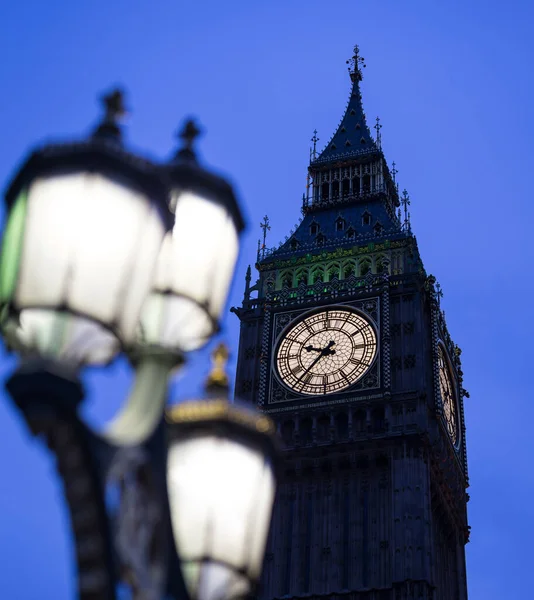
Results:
[348, 269]
[333, 271]
[366, 218]
[342, 426]
[301, 277]
[305, 429]
[318, 275]
[378, 420]
[365, 267]
[287, 431]
[340, 224]
[323, 425]
[382, 265]
[335, 189]
[286, 279]
[358, 421]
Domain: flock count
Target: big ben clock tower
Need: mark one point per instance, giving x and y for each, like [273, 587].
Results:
[343, 343]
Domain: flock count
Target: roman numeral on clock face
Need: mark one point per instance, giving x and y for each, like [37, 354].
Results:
[297, 369]
[305, 379]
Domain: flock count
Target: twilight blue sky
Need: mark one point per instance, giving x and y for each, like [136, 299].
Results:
[452, 82]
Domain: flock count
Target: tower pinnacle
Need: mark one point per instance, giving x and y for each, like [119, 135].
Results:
[356, 63]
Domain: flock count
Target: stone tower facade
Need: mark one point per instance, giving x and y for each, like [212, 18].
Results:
[344, 344]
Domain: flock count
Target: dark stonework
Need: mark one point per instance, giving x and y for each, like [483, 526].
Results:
[372, 503]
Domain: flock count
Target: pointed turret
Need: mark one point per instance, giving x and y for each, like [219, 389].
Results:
[353, 137]
[351, 195]
[351, 169]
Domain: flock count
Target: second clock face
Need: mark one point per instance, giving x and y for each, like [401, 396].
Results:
[326, 352]
[447, 396]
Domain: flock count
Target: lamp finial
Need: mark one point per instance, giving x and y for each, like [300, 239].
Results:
[114, 110]
[217, 380]
[188, 134]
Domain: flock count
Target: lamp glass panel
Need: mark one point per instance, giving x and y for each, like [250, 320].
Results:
[214, 486]
[194, 271]
[217, 581]
[174, 322]
[90, 245]
[60, 335]
[203, 252]
[260, 520]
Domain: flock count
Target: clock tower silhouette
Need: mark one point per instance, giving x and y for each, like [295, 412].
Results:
[344, 344]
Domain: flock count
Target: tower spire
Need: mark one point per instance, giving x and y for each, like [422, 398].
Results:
[353, 137]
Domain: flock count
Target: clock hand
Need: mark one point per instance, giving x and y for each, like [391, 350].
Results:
[312, 365]
[324, 352]
[310, 348]
[327, 351]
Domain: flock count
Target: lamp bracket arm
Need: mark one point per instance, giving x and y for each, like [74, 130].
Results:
[143, 409]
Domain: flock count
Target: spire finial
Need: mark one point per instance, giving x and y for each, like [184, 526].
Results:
[378, 127]
[188, 134]
[114, 109]
[405, 200]
[355, 64]
[394, 172]
[439, 293]
[217, 380]
[248, 277]
[265, 225]
[314, 139]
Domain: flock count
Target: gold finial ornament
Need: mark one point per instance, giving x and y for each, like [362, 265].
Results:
[218, 377]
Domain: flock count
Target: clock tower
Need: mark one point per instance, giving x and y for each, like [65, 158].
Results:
[344, 344]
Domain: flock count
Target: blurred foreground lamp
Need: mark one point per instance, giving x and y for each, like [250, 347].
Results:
[85, 223]
[197, 259]
[221, 485]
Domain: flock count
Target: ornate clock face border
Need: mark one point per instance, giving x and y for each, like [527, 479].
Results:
[278, 393]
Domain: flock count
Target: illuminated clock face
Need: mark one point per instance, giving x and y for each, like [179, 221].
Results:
[325, 352]
[447, 396]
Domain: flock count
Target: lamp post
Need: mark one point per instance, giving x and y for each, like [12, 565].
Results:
[102, 254]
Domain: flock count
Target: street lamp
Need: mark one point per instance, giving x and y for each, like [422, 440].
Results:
[105, 251]
[221, 489]
[84, 226]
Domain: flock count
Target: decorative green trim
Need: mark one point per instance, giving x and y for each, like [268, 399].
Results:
[339, 253]
[12, 247]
